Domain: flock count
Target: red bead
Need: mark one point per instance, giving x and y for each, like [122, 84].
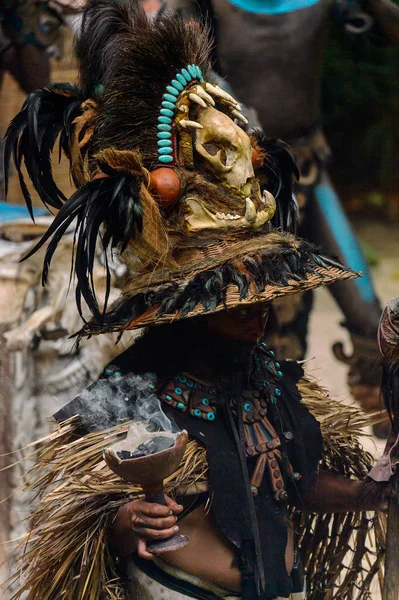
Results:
[165, 186]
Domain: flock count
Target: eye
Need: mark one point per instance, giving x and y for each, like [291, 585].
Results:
[213, 149]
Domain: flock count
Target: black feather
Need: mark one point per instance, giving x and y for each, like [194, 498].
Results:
[135, 60]
[31, 137]
[108, 201]
[281, 170]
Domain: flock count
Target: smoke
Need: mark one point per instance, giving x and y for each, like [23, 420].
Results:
[119, 398]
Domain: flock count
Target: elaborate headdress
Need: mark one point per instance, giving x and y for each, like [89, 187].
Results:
[200, 211]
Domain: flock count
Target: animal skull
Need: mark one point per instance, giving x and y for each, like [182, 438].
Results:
[226, 151]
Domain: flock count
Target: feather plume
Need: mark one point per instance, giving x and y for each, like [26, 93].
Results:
[280, 169]
[114, 201]
[31, 137]
[135, 60]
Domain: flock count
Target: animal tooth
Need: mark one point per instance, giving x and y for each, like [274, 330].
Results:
[183, 108]
[195, 98]
[237, 115]
[217, 91]
[185, 123]
[250, 211]
[219, 216]
[202, 94]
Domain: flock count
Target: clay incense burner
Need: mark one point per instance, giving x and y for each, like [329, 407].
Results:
[147, 460]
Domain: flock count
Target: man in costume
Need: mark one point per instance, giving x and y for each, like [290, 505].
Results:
[271, 54]
[201, 214]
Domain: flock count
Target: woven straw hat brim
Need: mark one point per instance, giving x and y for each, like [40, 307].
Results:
[248, 272]
[322, 277]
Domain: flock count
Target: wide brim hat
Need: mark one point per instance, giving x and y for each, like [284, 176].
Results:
[200, 212]
[248, 271]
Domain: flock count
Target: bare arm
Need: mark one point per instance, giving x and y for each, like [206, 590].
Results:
[334, 493]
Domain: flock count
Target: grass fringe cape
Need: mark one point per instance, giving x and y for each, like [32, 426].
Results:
[65, 555]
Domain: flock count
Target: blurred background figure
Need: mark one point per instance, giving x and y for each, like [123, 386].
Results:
[271, 53]
[29, 32]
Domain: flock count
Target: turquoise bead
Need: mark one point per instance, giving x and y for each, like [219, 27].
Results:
[271, 352]
[279, 374]
[164, 143]
[205, 401]
[170, 98]
[176, 84]
[168, 398]
[168, 105]
[180, 405]
[265, 383]
[210, 416]
[178, 391]
[181, 379]
[190, 383]
[167, 150]
[186, 75]
[164, 127]
[164, 120]
[273, 400]
[164, 135]
[197, 412]
[182, 80]
[166, 112]
[172, 90]
[151, 386]
[139, 378]
[165, 159]
[192, 71]
[277, 391]
[263, 345]
[247, 407]
[277, 365]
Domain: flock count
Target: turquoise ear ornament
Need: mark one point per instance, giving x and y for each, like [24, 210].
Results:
[167, 113]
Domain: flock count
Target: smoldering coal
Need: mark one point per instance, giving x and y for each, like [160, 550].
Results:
[153, 446]
[109, 402]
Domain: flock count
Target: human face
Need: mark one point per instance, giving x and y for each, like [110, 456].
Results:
[243, 323]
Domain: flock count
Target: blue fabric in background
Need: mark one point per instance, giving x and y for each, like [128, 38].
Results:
[13, 212]
[272, 7]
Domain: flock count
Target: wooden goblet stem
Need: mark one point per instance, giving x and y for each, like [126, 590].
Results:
[173, 543]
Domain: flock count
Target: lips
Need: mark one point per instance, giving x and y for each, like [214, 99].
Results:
[202, 218]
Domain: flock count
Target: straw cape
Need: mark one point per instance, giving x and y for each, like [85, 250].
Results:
[65, 553]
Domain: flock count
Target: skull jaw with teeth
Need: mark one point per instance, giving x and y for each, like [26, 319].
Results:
[199, 217]
[224, 151]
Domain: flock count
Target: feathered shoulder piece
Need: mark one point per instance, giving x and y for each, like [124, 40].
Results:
[165, 174]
